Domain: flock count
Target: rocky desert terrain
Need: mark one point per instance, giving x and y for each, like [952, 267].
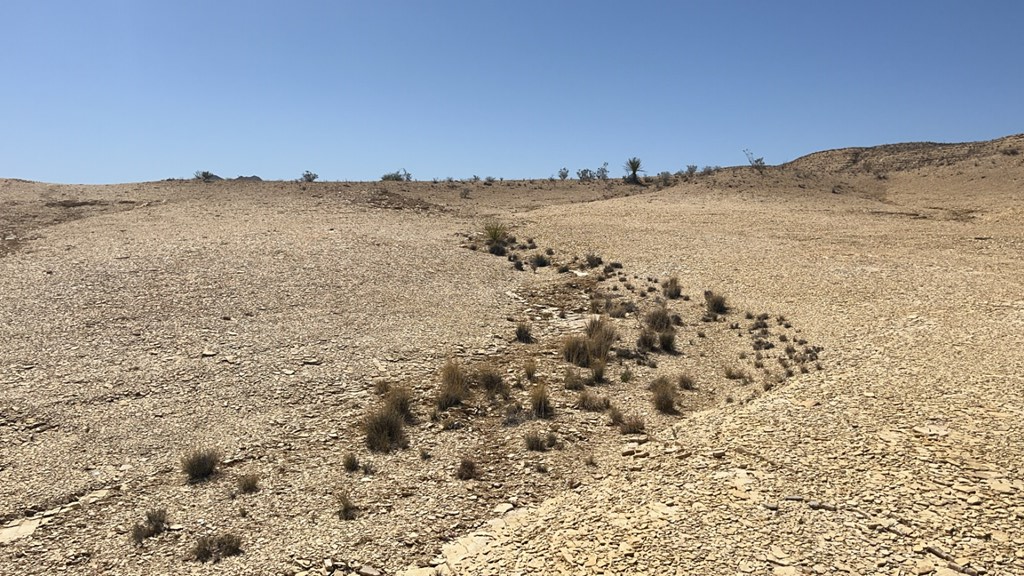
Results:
[855, 407]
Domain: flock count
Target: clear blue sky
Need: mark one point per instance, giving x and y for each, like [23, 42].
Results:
[117, 91]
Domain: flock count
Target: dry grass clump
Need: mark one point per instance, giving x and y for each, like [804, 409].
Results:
[347, 510]
[248, 484]
[523, 333]
[671, 288]
[597, 371]
[385, 429]
[715, 303]
[626, 375]
[664, 395]
[454, 386]
[592, 402]
[632, 424]
[667, 341]
[200, 464]
[600, 337]
[467, 470]
[214, 548]
[491, 381]
[540, 401]
[593, 260]
[399, 400]
[658, 319]
[733, 373]
[686, 382]
[615, 417]
[530, 369]
[535, 442]
[574, 350]
[495, 232]
[647, 341]
[573, 381]
[350, 462]
[156, 523]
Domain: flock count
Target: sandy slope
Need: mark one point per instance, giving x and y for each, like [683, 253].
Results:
[258, 317]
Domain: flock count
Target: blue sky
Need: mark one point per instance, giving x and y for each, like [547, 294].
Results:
[134, 90]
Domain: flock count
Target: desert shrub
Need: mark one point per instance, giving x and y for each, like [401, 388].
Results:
[495, 232]
[530, 369]
[399, 399]
[467, 470]
[715, 303]
[214, 548]
[563, 269]
[491, 381]
[691, 170]
[200, 464]
[665, 178]
[454, 386]
[540, 401]
[523, 333]
[686, 382]
[592, 402]
[593, 260]
[347, 510]
[156, 523]
[632, 424]
[585, 175]
[385, 429]
[671, 288]
[573, 381]
[351, 462]
[667, 341]
[535, 442]
[755, 163]
[248, 484]
[563, 173]
[658, 319]
[647, 341]
[397, 176]
[733, 373]
[600, 337]
[515, 414]
[633, 168]
[540, 260]
[664, 395]
[626, 375]
[575, 350]
[308, 176]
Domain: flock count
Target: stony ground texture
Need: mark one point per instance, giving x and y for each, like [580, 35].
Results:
[140, 321]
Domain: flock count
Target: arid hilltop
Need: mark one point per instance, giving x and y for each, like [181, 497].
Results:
[814, 368]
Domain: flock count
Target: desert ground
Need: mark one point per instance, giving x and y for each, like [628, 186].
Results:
[857, 409]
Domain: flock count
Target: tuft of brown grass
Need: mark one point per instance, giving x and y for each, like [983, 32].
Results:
[647, 341]
[615, 417]
[664, 395]
[667, 341]
[686, 382]
[597, 371]
[592, 402]
[632, 424]
[540, 401]
[535, 442]
[658, 319]
[215, 548]
[347, 510]
[385, 429]
[200, 464]
[573, 381]
[248, 484]
[574, 350]
[715, 303]
[454, 386]
[530, 369]
[491, 381]
[156, 523]
[671, 288]
[467, 470]
[523, 333]
[350, 462]
[399, 399]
